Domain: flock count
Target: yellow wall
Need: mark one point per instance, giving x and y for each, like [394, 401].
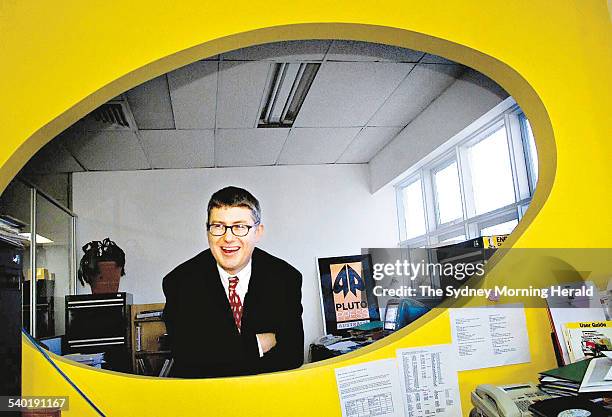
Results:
[62, 59]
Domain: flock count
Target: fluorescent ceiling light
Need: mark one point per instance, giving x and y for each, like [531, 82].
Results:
[285, 93]
[39, 239]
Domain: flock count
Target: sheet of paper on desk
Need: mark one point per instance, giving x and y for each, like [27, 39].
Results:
[489, 336]
[429, 381]
[370, 389]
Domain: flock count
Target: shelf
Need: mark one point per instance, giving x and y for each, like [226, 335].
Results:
[148, 319]
[152, 352]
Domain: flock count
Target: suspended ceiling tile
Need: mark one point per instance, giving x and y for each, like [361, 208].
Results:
[316, 145]
[241, 87]
[365, 51]
[435, 59]
[53, 158]
[248, 147]
[193, 90]
[179, 148]
[415, 93]
[347, 94]
[117, 150]
[150, 104]
[367, 144]
[290, 51]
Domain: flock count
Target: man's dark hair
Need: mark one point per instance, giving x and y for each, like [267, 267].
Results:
[234, 197]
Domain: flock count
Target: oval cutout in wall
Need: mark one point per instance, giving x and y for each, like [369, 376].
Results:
[342, 134]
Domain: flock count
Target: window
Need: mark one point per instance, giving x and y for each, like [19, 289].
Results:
[489, 164]
[413, 206]
[499, 229]
[479, 182]
[447, 194]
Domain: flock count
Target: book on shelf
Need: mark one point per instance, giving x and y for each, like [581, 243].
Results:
[141, 367]
[138, 338]
[149, 314]
[165, 370]
[164, 366]
[587, 339]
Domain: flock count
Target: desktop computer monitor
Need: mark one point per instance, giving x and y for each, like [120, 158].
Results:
[401, 312]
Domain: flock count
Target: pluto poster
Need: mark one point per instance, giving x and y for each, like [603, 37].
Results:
[346, 292]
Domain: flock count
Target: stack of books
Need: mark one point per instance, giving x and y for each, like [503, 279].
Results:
[586, 376]
[563, 381]
[10, 228]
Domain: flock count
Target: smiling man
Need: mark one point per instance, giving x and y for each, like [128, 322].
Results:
[233, 309]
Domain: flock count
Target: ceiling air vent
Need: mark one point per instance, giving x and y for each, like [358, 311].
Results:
[287, 88]
[114, 115]
[111, 113]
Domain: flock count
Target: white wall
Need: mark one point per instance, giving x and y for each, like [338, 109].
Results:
[157, 217]
[468, 98]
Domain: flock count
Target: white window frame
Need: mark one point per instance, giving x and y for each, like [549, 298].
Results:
[530, 159]
[507, 115]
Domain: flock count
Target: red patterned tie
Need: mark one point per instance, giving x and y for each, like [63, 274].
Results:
[235, 302]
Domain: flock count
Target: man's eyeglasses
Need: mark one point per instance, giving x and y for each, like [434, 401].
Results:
[239, 230]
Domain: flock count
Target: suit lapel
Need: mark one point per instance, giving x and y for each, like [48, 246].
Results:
[254, 281]
[217, 294]
[257, 288]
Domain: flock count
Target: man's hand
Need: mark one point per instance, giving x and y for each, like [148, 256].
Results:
[266, 340]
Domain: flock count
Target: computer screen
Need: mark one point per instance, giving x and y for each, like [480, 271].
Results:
[400, 312]
[391, 316]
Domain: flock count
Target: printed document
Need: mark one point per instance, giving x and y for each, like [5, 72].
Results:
[429, 381]
[370, 389]
[489, 336]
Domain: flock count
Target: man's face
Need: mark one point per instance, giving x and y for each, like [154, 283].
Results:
[233, 252]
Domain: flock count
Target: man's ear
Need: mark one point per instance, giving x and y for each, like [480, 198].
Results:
[259, 231]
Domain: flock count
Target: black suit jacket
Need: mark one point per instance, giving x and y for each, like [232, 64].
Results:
[202, 333]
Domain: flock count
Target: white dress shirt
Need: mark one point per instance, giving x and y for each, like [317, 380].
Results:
[244, 276]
